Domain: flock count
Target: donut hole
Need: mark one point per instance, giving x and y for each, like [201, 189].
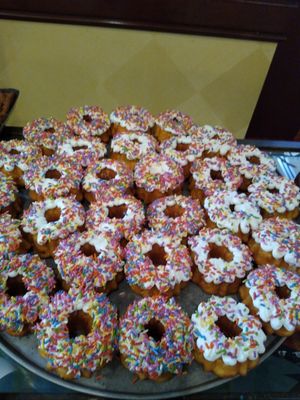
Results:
[89, 250]
[87, 118]
[174, 211]
[75, 148]
[155, 329]
[53, 174]
[79, 323]
[282, 292]
[106, 174]
[157, 255]
[50, 130]
[274, 191]
[117, 211]
[232, 207]
[253, 160]
[123, 242]
[15, 286]
[219, 252]
[216, 175]
[176, 120]
[53, 214]
[182, 147]
[14, 151]
[136, 141]
[215, 137]
[227, 327]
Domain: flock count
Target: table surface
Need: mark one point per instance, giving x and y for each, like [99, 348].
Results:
[278, 376]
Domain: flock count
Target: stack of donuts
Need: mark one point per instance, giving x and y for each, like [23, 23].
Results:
[161, 203]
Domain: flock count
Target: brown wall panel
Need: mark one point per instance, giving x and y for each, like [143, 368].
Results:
[266, 20]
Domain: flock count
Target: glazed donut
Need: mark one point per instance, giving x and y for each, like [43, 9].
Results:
[228, 339]
[172, 123]
[212, 174]
[25, 282]
[46, 222]
[233, 211]
[184, 150]
[273, 295]
[105, 226]
[83, 151]
[125, 212]
[89, 121]
[180, 215]
[92, 255]
[155, 339]
[104, 174]
[156, 176]
[52, 177]
[277, 241]
[218, 141]
[77, 333]
[46, 133]
[15, 158]
[131, 119]
[131, 147]
[221, 261]
[275, 195]
[9, 199]
[251, 162]
[156, 263]
[11, 240]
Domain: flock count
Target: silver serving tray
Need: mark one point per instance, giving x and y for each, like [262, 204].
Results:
[115, 381]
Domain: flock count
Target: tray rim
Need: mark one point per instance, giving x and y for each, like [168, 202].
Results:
[79, 387]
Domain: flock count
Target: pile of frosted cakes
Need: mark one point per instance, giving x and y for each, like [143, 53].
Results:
[159, 202]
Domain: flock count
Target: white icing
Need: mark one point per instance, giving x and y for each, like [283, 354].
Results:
[67, 146]
[159, 168]
[217, 270]
[27, 152]
[34, 220]
[194, 150]
[222, 144]
[140, 270]
[93, 148]
[245, 216]
[132, 118]
[287, 198]
[123, 176]
[132, 220]
[201, 170]
[213, 343]
[97, 269]
[133, 145]
[81, 353]
[174, 122]
[141, 352]
[272, 309]
[281, 237]
[240, 157]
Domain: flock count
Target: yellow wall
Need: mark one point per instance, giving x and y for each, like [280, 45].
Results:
[55, 67]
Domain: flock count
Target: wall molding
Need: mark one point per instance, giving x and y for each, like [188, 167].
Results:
[245, 19]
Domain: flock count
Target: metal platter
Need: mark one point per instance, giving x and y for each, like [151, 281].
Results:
[114, 381]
